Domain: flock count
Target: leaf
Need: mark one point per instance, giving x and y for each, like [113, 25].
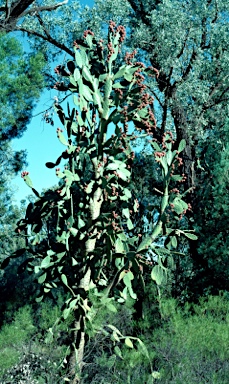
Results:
[169, 157]
[114, 329]
[49, 164]
[76, 74]
[39, 299]
[128, 342]
[122, 236]
[117, 85]
[87, 93]
[176, 177]
[70, 221]
[182, 145]
[132, 294]
[120, 72]
[143, 349]
[127, 192]
[118, 352]
[97, 98]
[89, 40]
[77, 103]
[62, 138]
[64, 279]
[42, 278]
[146, 242]
[174, 241]
[71, 66]
[124, 293]
[84, 58]
[72, 81]
[68, 174]
[74, 232]
[105, 112]
[190, 236]
[111, 307]
[73, 303]
[66, 313]
[81, 223]
[115, 54]
[87, 74]
[78, 59]
[112, 166]
[46, 262]
[129, 224]
[164, 164]
[28, 181]
[123, 174]
[74, 262]
[158, 274]
[179, 205]
[115, 336]
[164, 202]
[156, 146]
[126, 212]
[127, 279]
[128, 77]
[35, 192]
[119, 246]
[108, 87]
[61, 114]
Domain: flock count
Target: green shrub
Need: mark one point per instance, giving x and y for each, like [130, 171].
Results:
[26, 354]
[13, 335]
[189, 345]
[192, 344]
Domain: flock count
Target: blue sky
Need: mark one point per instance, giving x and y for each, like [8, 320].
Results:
[42, 145]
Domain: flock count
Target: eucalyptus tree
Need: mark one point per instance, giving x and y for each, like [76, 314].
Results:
[187, 42]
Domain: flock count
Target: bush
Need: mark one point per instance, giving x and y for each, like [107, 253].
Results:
[192, 344]
[27, 355]
[12, 337]
[189, 345]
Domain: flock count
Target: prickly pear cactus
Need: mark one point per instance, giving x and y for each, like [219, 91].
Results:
[84, 229]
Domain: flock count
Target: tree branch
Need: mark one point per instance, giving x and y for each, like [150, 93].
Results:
[19, 9]
[43, 8]
[48, 38]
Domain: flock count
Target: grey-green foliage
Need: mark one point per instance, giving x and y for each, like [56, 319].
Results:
[58, 27]
[186, 41]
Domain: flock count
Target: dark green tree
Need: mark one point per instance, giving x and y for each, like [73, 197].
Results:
[17, 100]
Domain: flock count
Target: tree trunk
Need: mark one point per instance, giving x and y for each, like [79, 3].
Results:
[75, 360]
